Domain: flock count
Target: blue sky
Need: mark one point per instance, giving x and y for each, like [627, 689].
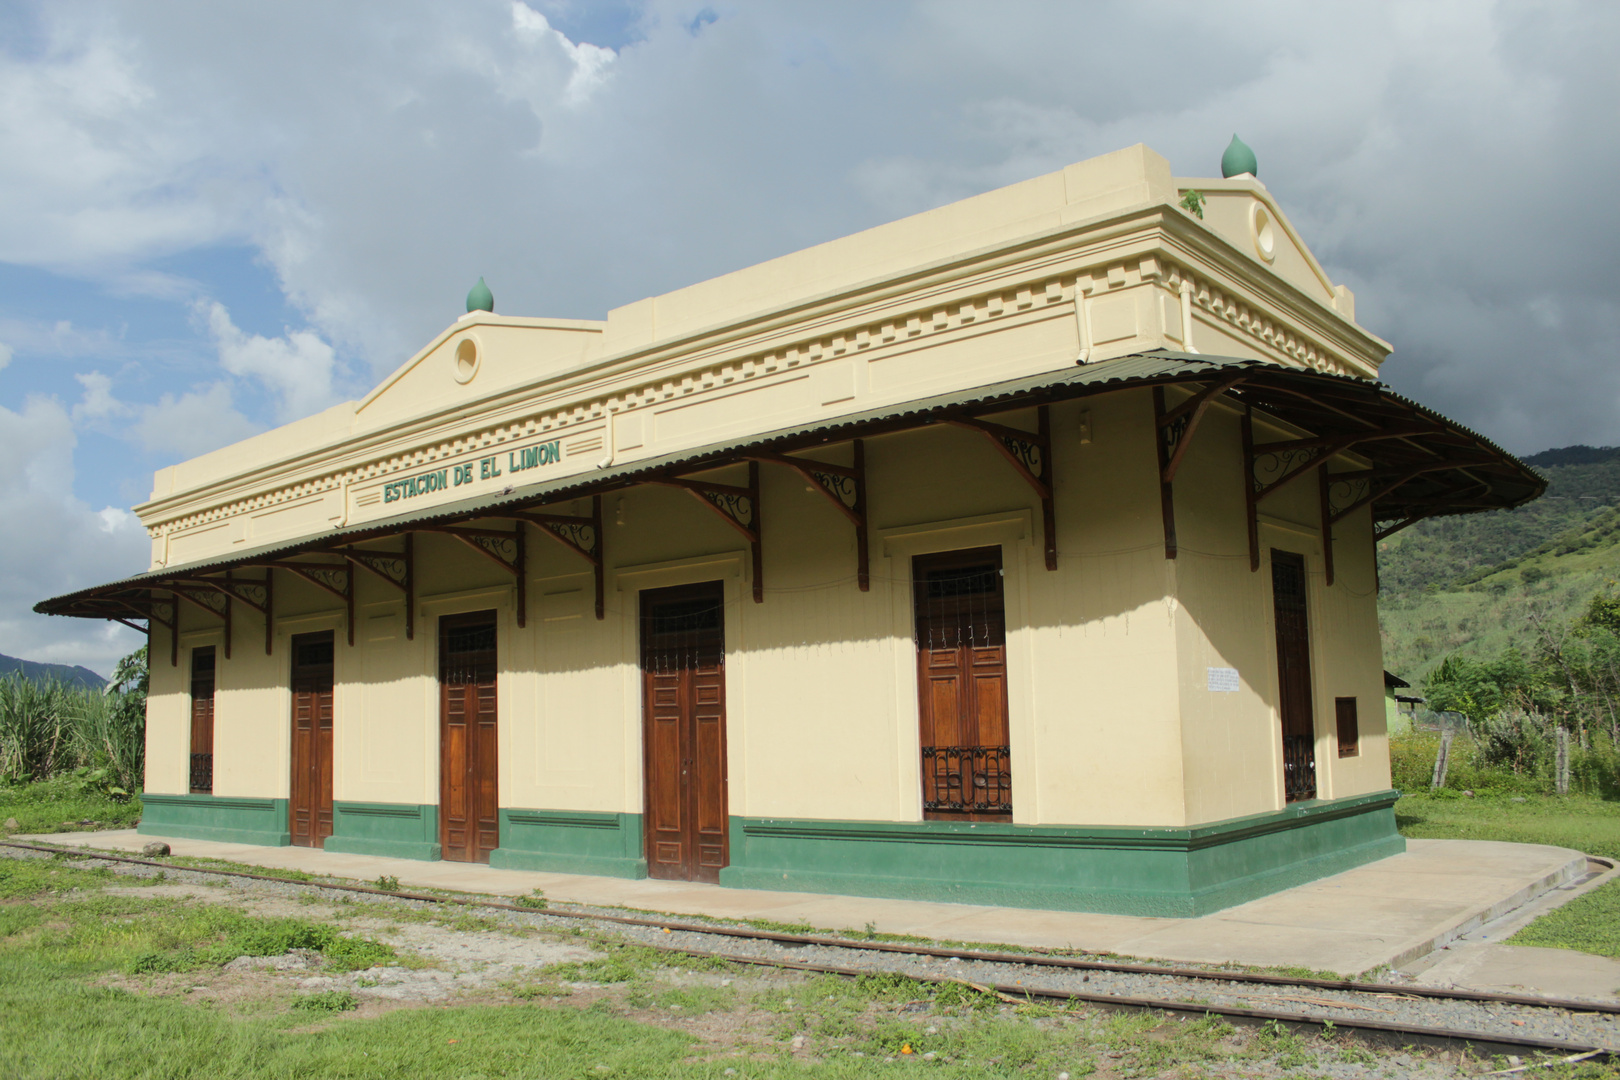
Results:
[219, 218]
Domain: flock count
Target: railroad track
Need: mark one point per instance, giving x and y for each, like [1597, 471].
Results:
[1589, 1029]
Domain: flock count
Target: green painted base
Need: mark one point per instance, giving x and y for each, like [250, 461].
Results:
[571, 842]
[214, 817]
[402, 830]
[1148, 871]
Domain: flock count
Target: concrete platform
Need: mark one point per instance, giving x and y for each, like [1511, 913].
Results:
[1388, 913]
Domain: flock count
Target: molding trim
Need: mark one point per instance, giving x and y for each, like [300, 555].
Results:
[401, 830]
[571, 842]
[231, 819]
[1182, 872]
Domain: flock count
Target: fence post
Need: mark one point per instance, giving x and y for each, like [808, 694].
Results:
[1442, 759]
[1561, 762]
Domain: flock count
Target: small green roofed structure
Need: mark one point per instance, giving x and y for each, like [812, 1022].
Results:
[1238, 159]
[480, 298]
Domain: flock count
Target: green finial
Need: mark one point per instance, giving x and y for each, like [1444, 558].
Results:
[1238, 159]
[480, 298]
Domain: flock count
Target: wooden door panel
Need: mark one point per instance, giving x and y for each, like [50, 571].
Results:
[962, 685]
[309, 801]
[1295, 710]
[683, 664]
[469, 738]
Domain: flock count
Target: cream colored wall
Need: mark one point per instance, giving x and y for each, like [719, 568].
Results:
[1352, 662]
[1231, 742]
[820, 666]
[168, 721]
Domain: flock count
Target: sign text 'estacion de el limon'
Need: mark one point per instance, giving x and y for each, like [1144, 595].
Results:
[486, 468]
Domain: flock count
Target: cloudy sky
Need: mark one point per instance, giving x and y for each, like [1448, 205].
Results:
[217, 217]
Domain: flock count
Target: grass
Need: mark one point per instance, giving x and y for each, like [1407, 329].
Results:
[1584, 823]
[62, 803]
[71, 1006]
[1589, 923]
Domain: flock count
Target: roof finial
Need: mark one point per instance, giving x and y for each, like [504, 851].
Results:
[480, 298]
[1238, 159]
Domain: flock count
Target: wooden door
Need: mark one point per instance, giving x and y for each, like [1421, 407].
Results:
[684, 731]
[962, 685]
[469, 800]
[202, 721]
[310, 798]
[1298, 717]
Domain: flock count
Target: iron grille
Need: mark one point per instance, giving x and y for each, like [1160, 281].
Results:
[1299, 767]
[967, 779]
[202, 774]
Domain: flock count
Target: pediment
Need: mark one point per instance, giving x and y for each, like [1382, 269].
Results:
[1242, 211]
[475, 357]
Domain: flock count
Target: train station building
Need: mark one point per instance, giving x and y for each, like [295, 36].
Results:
[1020, 552]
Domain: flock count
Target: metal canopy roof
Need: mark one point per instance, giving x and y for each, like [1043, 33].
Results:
[1423, 465]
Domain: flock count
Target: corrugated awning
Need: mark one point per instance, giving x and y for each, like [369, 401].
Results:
[1422, 465]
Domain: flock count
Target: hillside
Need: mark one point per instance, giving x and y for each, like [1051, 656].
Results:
[31, 669]
[1480, 582]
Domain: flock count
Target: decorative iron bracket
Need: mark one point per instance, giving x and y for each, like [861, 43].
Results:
[504, 549]
[1030, 455]
[1175, 428]
[582, 535]
[210, 601]
[335, 578]
[844, 487]
[398, 568]
[739, 507]
[172, 621]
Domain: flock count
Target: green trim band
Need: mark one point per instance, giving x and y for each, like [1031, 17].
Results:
[399, 830]
[211, 817]
[1145, 871]
[571, 842]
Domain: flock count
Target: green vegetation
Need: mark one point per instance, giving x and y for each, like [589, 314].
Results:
[1580, 822]
[1589, 923]
[64, 803]
[92, 743]
[327, 1001]
[1483, 582]
[80, 995]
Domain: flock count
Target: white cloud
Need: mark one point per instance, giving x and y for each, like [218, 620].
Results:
[5, 355]
[193, 423]
[98, 402]
[53, 543]
[95, 165]
[591, 62]
[298, 368]
[1422, 149]
[115, 520]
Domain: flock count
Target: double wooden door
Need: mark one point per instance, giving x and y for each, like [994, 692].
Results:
[1298, 715]
[961, 628]
[309, 804]
[684, 731]
[469, 805]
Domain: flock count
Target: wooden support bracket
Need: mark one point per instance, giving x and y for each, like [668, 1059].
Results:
[173, 624]
[1030, 455]
[504, 549]
[580, 534]
[395, 567]
[844, 487]
[214, 602]
[1325, 503]
[335, 578]
[738, 507]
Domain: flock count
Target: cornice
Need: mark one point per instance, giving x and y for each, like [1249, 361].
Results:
[998, 284]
